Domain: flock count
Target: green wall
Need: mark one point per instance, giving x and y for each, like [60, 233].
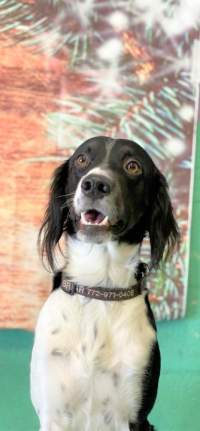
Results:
[178, 406]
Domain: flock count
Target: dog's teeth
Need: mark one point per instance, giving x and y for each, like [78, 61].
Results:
[104, 221]
[83, 219]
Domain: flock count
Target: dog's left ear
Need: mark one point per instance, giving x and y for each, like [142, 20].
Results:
[163, 229]
[55, 216]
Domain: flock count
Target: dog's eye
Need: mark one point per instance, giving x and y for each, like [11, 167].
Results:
[82, 161]
[132, 167]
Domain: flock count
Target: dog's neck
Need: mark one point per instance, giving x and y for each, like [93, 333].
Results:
[107, 265]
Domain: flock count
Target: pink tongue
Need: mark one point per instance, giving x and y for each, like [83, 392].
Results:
[94, 216]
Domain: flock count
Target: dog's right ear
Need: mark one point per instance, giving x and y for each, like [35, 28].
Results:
[163, 229]
[55, 216]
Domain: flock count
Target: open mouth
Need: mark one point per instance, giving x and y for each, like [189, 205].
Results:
[94, 218]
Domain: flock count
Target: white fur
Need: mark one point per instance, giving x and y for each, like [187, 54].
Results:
[78, 194]
[89, 356]
[108, 265]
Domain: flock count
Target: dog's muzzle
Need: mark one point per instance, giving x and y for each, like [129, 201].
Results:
[94, 202]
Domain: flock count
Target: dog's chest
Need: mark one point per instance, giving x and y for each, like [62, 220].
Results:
[89, 359]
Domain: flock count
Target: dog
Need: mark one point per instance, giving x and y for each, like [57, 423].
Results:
[95, 362]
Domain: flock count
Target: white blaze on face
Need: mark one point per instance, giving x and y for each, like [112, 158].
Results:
[90, 217]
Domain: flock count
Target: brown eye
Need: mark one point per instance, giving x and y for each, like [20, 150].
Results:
[132, 167]
[82, 161]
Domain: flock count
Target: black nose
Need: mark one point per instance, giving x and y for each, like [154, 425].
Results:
[96, 186]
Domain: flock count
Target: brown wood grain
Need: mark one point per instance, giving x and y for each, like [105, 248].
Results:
[26, 93]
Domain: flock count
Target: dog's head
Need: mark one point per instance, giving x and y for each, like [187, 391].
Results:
[110, 189]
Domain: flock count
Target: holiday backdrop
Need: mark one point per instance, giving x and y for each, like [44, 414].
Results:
[70, 70]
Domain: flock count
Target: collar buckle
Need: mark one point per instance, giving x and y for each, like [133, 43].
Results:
[69, 287]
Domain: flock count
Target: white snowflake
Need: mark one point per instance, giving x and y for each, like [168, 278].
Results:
[175, 147]
[111, 50]
[107, 81]
[185, 15]
[186, 112]
[119, 20]
[84, 9]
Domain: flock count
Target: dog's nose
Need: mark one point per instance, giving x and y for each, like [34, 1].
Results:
[96, 186]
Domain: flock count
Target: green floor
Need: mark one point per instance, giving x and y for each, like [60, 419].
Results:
[178, 403]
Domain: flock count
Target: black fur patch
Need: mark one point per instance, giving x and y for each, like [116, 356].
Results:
[144, 206]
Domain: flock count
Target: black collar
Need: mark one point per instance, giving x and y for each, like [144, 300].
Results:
[102, 293]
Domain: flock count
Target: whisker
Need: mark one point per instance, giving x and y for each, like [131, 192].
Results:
[68, 201]
[70, 208]
[67, 194]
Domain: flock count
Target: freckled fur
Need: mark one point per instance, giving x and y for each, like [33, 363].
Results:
[118, 324]
[55, 331]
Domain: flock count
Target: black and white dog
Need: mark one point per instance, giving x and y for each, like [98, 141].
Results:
[96, 362]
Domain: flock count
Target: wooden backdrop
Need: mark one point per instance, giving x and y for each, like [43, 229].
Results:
[70, 70]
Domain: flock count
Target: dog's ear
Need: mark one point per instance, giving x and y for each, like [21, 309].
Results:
[55, 215]
[163, 229]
